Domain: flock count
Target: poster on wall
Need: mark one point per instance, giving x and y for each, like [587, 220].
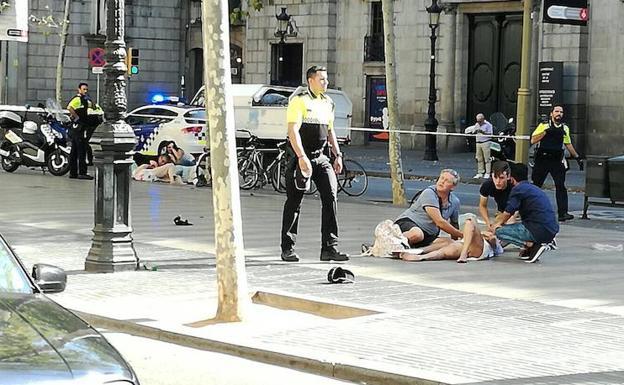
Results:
[377, 108]
[14, 20]
[550, 92]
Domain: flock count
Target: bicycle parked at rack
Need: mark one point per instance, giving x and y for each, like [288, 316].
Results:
[251, 165]
[353, 179]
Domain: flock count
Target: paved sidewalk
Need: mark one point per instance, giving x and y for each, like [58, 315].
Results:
[374, 159]
[560, 321]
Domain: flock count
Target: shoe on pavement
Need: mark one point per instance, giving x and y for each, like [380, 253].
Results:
[565, 217]
[535, 252]
[478, 176]
[331, 254]
[524, 253]
[85, 177]
[290, 256]
[73, 177]
[553, 244]
[486, 176]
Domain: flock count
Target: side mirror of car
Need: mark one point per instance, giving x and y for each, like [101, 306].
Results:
[50, 279]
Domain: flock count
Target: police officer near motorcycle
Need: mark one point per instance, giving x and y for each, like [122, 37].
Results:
[78, 109]
[551, 137]
[310, 117]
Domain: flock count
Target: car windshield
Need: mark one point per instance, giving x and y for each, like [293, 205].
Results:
[195, 116]
[12, 277]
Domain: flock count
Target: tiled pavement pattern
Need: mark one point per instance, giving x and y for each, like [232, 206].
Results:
[425, 330]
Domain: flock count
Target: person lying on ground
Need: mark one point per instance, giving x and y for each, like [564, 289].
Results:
[435, 209]
[163, 169]
[498, 188]
[539, 224]
[475, 244]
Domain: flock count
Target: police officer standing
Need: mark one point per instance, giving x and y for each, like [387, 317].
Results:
[78, 109]
[310, 119]
[551, 137]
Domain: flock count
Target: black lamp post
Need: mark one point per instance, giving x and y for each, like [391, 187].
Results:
[431, 123]
[286, 27]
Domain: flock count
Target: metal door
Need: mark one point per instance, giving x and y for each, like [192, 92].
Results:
[494, 64]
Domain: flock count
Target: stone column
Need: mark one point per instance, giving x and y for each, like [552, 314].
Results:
[447, 99]
[112, 248]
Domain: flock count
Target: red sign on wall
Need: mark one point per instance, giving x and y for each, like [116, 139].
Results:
[97, 57]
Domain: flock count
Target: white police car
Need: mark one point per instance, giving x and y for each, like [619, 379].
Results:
[155, 124]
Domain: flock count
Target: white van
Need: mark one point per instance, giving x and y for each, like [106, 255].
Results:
[261, 109]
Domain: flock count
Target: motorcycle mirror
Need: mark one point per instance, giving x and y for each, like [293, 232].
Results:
[27, 106]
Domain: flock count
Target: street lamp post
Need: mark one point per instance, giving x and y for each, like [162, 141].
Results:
[431, 123]
[286, 27]
[112, 248]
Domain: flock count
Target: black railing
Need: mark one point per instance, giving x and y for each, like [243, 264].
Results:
[374, 48]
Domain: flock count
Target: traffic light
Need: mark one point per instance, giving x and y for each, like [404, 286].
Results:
[133, 61]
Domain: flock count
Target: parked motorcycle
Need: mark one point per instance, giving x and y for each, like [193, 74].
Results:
[503, 147]
[24, 143]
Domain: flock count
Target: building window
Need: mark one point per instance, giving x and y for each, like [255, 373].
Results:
[376, 19]
[195, 11]
[98, 17]
[374, 41]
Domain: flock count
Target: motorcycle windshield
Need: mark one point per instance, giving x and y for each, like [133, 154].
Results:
[55, 109]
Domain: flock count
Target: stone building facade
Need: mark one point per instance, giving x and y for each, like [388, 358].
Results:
[477, 59]
[344, 36]
[155, 27]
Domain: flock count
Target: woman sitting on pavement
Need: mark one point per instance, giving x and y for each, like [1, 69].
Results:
[474, 245]
[163, 169]
[178, 155]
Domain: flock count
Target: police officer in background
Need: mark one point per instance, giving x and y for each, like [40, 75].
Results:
[551, 137]
[78, 109]
[310, 119]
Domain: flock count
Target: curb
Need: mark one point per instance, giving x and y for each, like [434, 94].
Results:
[327, 369]
[385, 174]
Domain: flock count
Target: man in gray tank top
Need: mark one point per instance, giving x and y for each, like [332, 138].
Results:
[435, 209]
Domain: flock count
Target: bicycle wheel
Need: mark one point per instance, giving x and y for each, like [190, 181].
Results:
[353, 179]
[203, 171]
[278, 176]
[248, 173]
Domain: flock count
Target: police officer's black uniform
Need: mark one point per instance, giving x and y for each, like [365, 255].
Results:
[549, 159]
[77, 156]
[317, 113]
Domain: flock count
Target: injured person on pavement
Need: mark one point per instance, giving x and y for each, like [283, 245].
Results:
[475, 246]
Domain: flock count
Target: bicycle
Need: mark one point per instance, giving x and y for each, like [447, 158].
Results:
[251, 165]
[353, 179]
[248, 170]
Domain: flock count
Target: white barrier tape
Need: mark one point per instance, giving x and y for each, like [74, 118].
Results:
[363, 129]
[521, 137]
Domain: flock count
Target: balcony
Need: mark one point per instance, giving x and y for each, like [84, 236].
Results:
[374, 48]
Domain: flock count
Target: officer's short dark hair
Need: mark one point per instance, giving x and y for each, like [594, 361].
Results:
[519, 171]
[83, 84]
[499, 167]
[555, 106]
[313, 70]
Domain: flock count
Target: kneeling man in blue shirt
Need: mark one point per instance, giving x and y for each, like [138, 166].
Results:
[539, 223]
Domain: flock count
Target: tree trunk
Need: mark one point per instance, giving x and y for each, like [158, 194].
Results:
[231, 276]
[61, 54]
[394, 140]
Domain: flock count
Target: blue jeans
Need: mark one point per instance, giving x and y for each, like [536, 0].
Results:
[515, 233]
